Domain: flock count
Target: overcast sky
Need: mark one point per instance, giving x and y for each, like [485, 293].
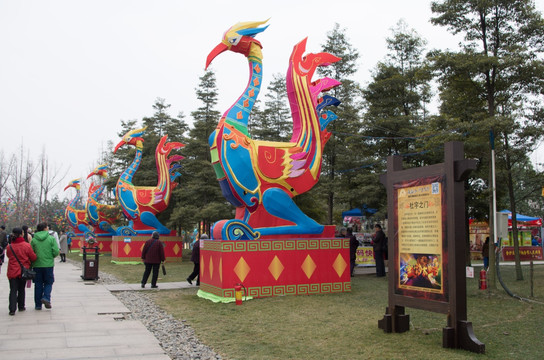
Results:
[71, 70]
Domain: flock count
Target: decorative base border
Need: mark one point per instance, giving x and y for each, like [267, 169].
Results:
[275, 267]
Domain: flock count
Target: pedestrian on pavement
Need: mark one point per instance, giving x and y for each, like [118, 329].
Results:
[69, 242]
[46, 249]
[3, 243]
[27, 234]
[19, 251]
[63, 241]
[195, 258]
[54, 234]
[153, 255]
[378, 244]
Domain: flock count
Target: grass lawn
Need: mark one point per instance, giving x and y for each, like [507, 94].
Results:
[345, 325]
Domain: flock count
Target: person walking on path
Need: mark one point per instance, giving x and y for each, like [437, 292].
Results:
[18, 251]
[353, 245]
[3, 243]
[195, 258]
[69, 242]
[378, 243]
[153, 255]
[46, 249]
[63, 241]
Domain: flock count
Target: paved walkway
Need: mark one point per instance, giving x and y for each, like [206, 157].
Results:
[86, 322]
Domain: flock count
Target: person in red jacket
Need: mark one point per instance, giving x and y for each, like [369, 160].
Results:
[153, 255]
[26, 256]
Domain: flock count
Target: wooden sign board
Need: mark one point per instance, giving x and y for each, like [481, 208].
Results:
[427, 270]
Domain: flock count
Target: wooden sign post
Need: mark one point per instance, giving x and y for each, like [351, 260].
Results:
[426, 210]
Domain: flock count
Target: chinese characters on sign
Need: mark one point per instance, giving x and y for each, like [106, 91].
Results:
[420, 237]
[525, 253]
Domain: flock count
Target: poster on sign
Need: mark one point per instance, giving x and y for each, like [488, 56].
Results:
[421, 246]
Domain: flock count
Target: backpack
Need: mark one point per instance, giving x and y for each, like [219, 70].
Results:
[385, 247]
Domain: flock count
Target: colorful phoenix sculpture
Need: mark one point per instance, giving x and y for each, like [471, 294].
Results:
[260, 178]
[101, 216]
[77, 218]
[141, 204]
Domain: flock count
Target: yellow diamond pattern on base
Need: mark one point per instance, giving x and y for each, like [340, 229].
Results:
[202, 266]
[339, 265]
[308, 266]
[127, 249]
[211, 268]
[101, 246]
[221, 270]
[242, 269]
[176, 249]
[276, 267]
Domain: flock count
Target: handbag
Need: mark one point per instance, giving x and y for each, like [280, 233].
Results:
[163, 269]
[26, 274]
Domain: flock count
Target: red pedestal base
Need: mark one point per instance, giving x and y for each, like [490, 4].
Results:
[129, 248]
[275, 267]
[77, 243]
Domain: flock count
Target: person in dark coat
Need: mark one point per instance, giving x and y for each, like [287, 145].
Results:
[485, 253]
[353, 245]
[378, 243]
[23, 250]
[152, 255]
[3, 243]
[195, 258]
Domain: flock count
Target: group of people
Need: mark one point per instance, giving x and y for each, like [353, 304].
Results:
[379, 245]
[37, 252]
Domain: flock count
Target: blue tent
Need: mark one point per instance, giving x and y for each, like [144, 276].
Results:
[520, 217]
[357, 212]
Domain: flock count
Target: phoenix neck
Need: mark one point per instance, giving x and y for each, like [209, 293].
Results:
[238, 114]
[128, 174]
[74, 201]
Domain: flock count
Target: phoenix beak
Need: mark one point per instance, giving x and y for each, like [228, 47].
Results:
[216, 51]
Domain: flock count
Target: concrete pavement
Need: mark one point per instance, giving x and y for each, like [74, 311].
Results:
[86, 322]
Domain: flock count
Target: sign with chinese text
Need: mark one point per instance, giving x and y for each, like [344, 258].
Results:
[365, 256]
[526, 253]
[420, 235]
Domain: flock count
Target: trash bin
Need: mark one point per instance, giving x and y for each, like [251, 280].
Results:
[90, 263]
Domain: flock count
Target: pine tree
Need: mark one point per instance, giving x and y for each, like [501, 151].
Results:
[200, 198]
[343, 150]
[274, 123]
[504, 42]
[396, 110]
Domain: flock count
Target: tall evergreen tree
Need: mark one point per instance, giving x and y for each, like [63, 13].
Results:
[275, 121]
[342, 151]
[396, 103]
[200, 199]
[398, 96]
[503, 40]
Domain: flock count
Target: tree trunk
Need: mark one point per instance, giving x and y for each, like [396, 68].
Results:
[491, 278]
[510, 183]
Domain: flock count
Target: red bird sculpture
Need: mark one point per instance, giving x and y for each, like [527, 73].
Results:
[140, 204]
[260, 178]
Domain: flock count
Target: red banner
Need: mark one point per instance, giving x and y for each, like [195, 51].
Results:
[526, 253]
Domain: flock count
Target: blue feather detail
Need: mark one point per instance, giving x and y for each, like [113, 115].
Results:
[327, 101]
[252, 31]
[330, 116]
